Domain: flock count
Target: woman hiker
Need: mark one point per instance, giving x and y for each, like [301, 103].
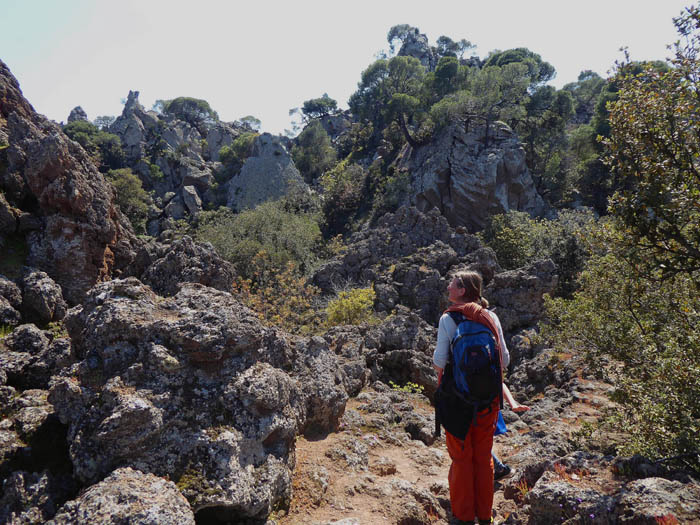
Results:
[471, 474]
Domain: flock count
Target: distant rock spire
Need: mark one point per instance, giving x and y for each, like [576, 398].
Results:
[77, 113]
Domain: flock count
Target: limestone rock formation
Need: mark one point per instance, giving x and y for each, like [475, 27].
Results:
[77, 113]
[469, 180]
[42, 300]
[409, 256]
[416, 45]
[185, 261]
[267, 174]
[80, 236]
[174, 158]
[29, 356]
[128, 496]
[193, 388]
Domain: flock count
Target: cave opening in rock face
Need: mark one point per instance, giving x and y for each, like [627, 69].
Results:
[225, 514]
[49, 448]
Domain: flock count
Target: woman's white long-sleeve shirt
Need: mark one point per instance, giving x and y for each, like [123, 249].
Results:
[446, 331]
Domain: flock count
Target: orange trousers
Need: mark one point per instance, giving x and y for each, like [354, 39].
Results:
[471, 472]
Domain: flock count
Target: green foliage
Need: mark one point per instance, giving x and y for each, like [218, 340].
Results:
[234, 156]
[192, 110]
[639, 301]
[251, 122]
[400, 32]
[446, 47]
[543, 130]
[319, 107]
[352, 307]
[585, 92]
[402, 76]
[130, 196]
[313, 152]
[538, 71]
[342, 191]
[654, 143]
[104, 148]
[155, 172]
[493, 93]
[650, 329]
[519, 240]
[103, 122]
[281, 236]
[5, 330]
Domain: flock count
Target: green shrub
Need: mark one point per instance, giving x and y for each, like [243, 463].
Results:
[342, 191]
[519, 240]
[352, 307]
[155, 172]
[282, 235]
[242, 147]
[192, 110]
[649, 327]
[104, 148]
[313, 152]
[131, 198]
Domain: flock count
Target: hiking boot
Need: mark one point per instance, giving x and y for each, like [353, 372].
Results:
[485, 522]
[500, 473]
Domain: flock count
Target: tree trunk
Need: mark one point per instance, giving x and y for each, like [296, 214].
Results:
[404, 128]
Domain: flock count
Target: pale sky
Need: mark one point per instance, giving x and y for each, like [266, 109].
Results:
[264, 57]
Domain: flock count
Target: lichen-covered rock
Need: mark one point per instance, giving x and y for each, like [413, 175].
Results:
[267, 174]
[656, 500]
[42, 300]
[84, 237]
[519, 294]
[187, 261]
[8, 315]
[33, 497]
[469, 181]
[10, 291]
[29, 357]
[194, 388]
[128, 496]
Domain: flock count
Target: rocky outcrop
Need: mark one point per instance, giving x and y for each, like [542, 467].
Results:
[266, 175]
[469, 177]
[518, 295]
[80, 237]
[42, 300]
[76, 114]
[29, 356]
[410, 256]
[128, 496]
[415, 44]
[193, 388]
[185, 261]
[174, 158]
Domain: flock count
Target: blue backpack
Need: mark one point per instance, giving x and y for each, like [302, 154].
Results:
[472, 378]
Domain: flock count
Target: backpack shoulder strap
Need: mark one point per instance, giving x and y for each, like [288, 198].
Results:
[457, 317]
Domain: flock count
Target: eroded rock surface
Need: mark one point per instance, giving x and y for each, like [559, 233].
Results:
[194, 388]
[128, 496]
[267, 174]
[80, 236]
[469, 179]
